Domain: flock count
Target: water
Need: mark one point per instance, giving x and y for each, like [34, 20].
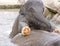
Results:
[7, 18]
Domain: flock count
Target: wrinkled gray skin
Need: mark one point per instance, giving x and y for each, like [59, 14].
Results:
[37, 38]
[31, 14]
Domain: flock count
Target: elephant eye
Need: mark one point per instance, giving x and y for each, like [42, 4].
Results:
[22, 13]
[31, 9]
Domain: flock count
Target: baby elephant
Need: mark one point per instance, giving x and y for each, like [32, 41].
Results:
[31, 17]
